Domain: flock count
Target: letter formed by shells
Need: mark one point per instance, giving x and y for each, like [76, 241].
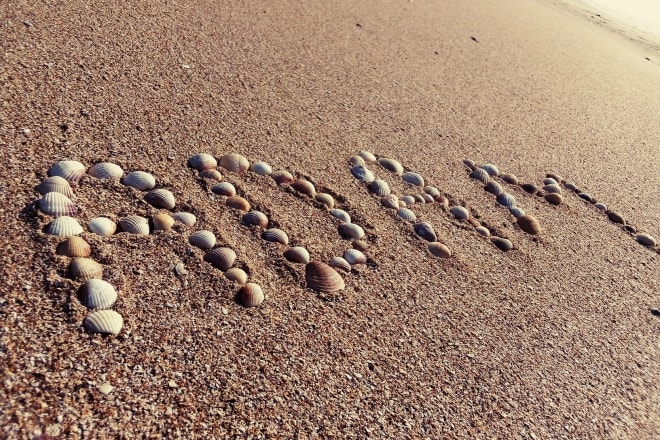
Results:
[224, 189]
[161, 198]
[326, 199]
[615, 217]
[323, 278]
[297, 254]
[363, 174]
[425, 230]
[341, 215]
[236, 275]
[70, 170]
[162, 221]
[223, 258]
[645, 240]
[367, 156]
[507, 200]
[106, 170]
[509, 178]
[257, 218]
[460, 212]
[234, 163]
[276, 236]
[239, 203]
[134, 224]
[490, 169]
[494, 188]
[140, 180]
[102, 226]
[340, 263]
[390, 201]
[97, 294]
[186, 218]
[554, 198]
[350, 231]
[304, 187]
[212, 174]
[354, 256]
[261, 168]
[74, 247]
[282, 177]
[391, 165]
[55, 184]
[439, 250]
[202, 239]
[529, 224]
[104, 321]
[250, 295]
[481, 175]
[379, 187]
[84, 269]
[502, 243]
[64, 226]
[413, 178]
[57, 204]
[202, 161]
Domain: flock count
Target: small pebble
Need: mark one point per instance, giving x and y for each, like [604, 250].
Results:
[106, 388]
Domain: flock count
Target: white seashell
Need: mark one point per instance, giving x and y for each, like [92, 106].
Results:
[223, 258]
[237, 275]
[297, 254]
[516, 212]
[341, 215]
[102, 226]
[390, 201]
[261, 168]
[224, 189]
[506, 199]
[323, 278]
[413, 178]
[256, 218]
[353, 256]
[282, 177]
[55, 184]
[84, 269]
[162, 221]
[363, 173]
[275, 235]
[481, 175]
[212, 174]
[550, 181]
[460, 212]
[350, 231]
[340, 263]
[202, 161]
[250, 295]
[391, 165]
[106, 170]
[325, 199]
[186, 218]
[432, 190]
[57, 204]
[406, 214]
[202, 239]
[379, 187]
[356, 160]
[234, 163]
[134, 224]
[74, 247]
[367, 156]
[428, 198]
[140, 180]
[97, 294]
[482, 230]
[104, 321]
[408, 200]
[490, 169]
[70, 170]
[304, 186]
[494, 188]
[64, 226]
[161, 198]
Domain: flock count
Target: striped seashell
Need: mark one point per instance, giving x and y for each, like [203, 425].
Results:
[186, 218]
[140, 180]
[442, 200]
[509, 178]
[428, 198]
[276, 236]
[102, 226]
[105, 170]
[439, 250]
[529, 224]
[340, 263]
[502, 243]
[413, 178]
[490, 169]
[367, 156]
[379, 187]
[224, 189]
[84, 269]
[406, 214]
[601, 206]
[360, 245]
[554, 198]
[202, 239]
[615, 217]
[212, 174]
[587, 197]
[282, 177]
[460, 212]
[645, 240]
[55, 184]
[70, 170]
[571, 186]
[64, 226]
[391, 165]
[516, 212]
[325, 199]
[482, 230]
[134, 224]
[432, 191]
[104, 321]
[97, 294]
[356, 160]
[390, 201]
[350, 231]
[162, 221]
[57, 204]
[323, 278]
[363, 173]
[234, 163]
[239, 203]
[261, 168]
[554, 176]
[408, 200]
[223, 258]
[341, 215]
[507, 200]
[481, 175]
[202, 161]
[425, 230]
[304, 186]
[470, 164]
[161, 198]
[550, 181]
[257, 218]
[297, 254]
[418, 198]
[354, 256]
[552, 188]
[530, 188]
[250, 295]
[236, 275]
[494, 188]
[74, 247]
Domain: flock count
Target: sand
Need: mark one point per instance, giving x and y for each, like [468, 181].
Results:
[553, 339]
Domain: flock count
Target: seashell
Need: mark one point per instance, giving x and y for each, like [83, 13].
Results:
[64, 226]
[529, 224]
[224, 189]
[406, 214]
[554, 198]
[439, 250]
[645, 240]
[97, 294]
[481, 175]
[256, 218]
[425, 231]
[70, 170]
[55, 184]
[571, 186]
[134, 224]
[239, 203]
[428, 198]
[356, 160]
[506, 199]
[282, 177]
[529, 188]
[202, 239]
[360, 245]
[474, 222]
[304, 186]
[84, 269]
[250, 295]
[140, 180]
[516, 212]
[482, 230]
[390, 201]
[470, 164]
[350, 231]
[323, 278]
[341, 215]
[509, 178]
[550, 181]
[413, 178]
[363, 173]
[460, 212]
[552, 188]
[297, 254]
[354, 256]
[276, 236]
[601, 206]
[261, 168]
[442, 200]
[104, 321]
[162, 221]
[234, 163]
[432, 191]
[74, 247]
[367, 156]
[186, 218]
[418, 198]
[391, 165]
[402, 204]
[630, 228]
[557, 178]
[494, 188]
[379, 187]
[202, 161]
[340, 263]
[490, 169]
[212, 174]
[615, 217]
[223, 258]
[105, 170]
[408, 200]
[326, 199]
[587, 197]
[57, 204]
[102, 226]
[160, 198]
[502, 243]
[237, 275]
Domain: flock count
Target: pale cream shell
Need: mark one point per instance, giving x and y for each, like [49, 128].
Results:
[234, 163]
[413, 178]
[460, 212]
[104, 321]
[354, 256]
[490, 169]
[340, 263]
[140, 180]
[64, 226]
[367, 156]
[70, 170]
[363, 173]
[202, 239]
[102, 226]
[237, 275]
[379, 187]
[481, 175]
[161, 198]
[407, 200]
[57, 204]
[406, 214]
[97, 294]
[84, 269]
[106, 170]
[162, 221]
[304, 186]
[212, 174]
[439, 250]
[297, 254]
[341, 215]
[134, 224]
[432, 191]
[356, 160]
[390, 201]
[187, 218]
[55, 184]
[325, 199]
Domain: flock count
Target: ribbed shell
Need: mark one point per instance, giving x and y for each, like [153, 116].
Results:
[186, 218]
[552, 188]
[102, 226]
[425, 230]
[239, 203]
[550, 181]
[224, 189]
[297, 254]
[97, 294]
[74, 247]
[481, 175]
[326, 199]
[390, 201]
[507, 200]
[502, 243]
[162, 221]
[202, 239]
[161, 198]
[615, 217]
[516, 212]
[84, 269]
[57, 204]
[406, 214]
[140, 180]
[234, 162]
[202, 161]
[261, 168]
[340, 263]
[256, 218]
[439, 250]
[391, 165]
[413, 178]
[554, 198]
[106, 170]
[104, 321]
[494, 188]
[490, 169]
[470, 164]
[645, 240]
[529, 188]
[250, 295]
[55, 184]
[237, 275]
[304, 186]
[323, 278]
[482, 230]
[275, 235]
[223, 258]
[350, 231]
[354, 256]
[367, 156]
[379, 187]
[70, 170]
[529, 224]
[363, 173]
[408, 200]
[211, 174]
[460, 212]
[64, 226]
[432, 191]
[341, 215]
[356, 160]
[134, 224]
[282, 177]
[509, 178]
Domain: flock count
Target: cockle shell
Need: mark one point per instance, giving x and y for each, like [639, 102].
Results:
[482, 230]
[432, 191]
[97, 294]
[250, 295]
[212, 174]
[494, 188]
[615, 217]
[529, 224]
[502, 243]
[102, 226]
[552, 188]
[367, 156]
[470, 164]
[379, 187]
[554, 198]
[106, 170]
[304, 186]
[261, 168]
[104, 321]
[645, 240]
[234, 162]
[202, 161]
[325, 199]
[282, 177]
[323, 278]
[529, 188]
[297, 254]
[186, 218]
[340, 263]
[490, 169]
[516, 212]
[74, 247]
[64, 226]
[341, 215]
[224, 189]
[425, 230]
[481, 175]
[275, 235]
[162, 221]
[390, 201]
[223, 258]
[413, 178]
[509, 178]
[239, 203]
[439, 250]
[460, 212]
[237, 275]
[391, 165]
[55, 184]
[354, 256]
[202, 239]
[408, 200]
[161, 198]
[418, 198]
[140, 180]
[428, 198]
[601, 206]
[507, 200]
[406, 214]
[350, 231]
[84, 269]
[57, 204]
[363, 173]
[70, 170]
[356, 160]
[257, 218]
[550, 181]
[134, 224]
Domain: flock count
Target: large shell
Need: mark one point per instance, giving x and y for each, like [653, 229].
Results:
[224, 189]
[297, 254]
[104, 321]
[212, 174]
[552, 188]
[494, 188]
[408, 200]
[237, 275]
[304, 186]
[554, 198]
[367, 156]
[425, 230]
[140, 180]
[502, 243]
[323, 278]
[439, 250]
[57, 204]
[202, 161]
[102, 226]
[162, 221]
[250, 295]
[379, 187]
[509, 178]
[161, 198]
[341, 215]
[481, 175]
[275, 235]
[326, 199]
[391, 165]
[507, 200]
[529, 224]
[460, 212]
[340, 263]
[74, 247]
[97, 294]
[645, 240]
[261, 168]
[406, 214]
[356, 160]
[234, 162]
[490, 169]
[223, 258]
[70, 170]
[354, 256]
[517, 212]
[134, 224]
[256, 218]
[390, 201]
[239, 203]
[64, 226]
[413, 178]
[84, 269]
[350, 231]
[615, 217]
[187, 218]
[530, 188]
[106, 170]
[282, 177]
[363, 173]
[55, 184]
[202, 239]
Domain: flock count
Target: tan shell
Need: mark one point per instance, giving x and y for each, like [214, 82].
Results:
[202, 239]
[84, 269]
[356, 160]
[340, 263]
[406, 214]
[57, 204]
[104, 321]
[212, 174]
[163, 221]
[74, 247]
[161, 198]
[261, 168]
[413, 178]
[554, 198]
[97, 294]
[102, 226]
[482, 230]
[64, 226]
[257, 218]
[509, 178]
[323, 278]
[367, 156]
[391, 165]
[282, 177]
[529, 224]
[326, 199]
[341, 215]
[239, 203]
[250, 295]
[224, 189]
[442, 200]
[502, 243]
[390, 201]
[297, 254]
[304, 186]
[354, 256]
[460, 212]
[134, 224]
[55, 184]
[234, 163]
[187, 218]
[202, 161]
[70, 170]
[360, 245]
[223, 258]
[237, 275]
[275, 235]
[439, 250]
[350, 231]
[140, 180]
[106, 170]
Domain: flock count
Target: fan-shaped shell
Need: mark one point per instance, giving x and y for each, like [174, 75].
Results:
[507, 200]
[530, 188]
[161, 198]
[275, 235]
[494, 188]
[350, 231]
[70, 170]
[237, 275]
[134, 224]
[234, 162]
[223, 258]
[250, 295]
[261, 168]
[516, 212]
[257, 218]
[74, 247]
[104, 321]
[390, 201]
[323, 278]
[367, 156]
[552, 188]
[363, 173]
[529, 224]
[341, 215]
[481, 175]
[97, 294]
[509, 178]
[187, 218]
[202, 161]
[502, 243]
[57, 204]
[645, 240]
[428, 198]
[601, 206]
[391, 165]
[425, 230]
[106, 170]
[340, 263]
[439, 250]
[356, 160]
[554, 198]
[615, 217]
[460, 212]
[102, 226]
[379, 187]
[84, 269]
[406, 214]
[224, 189]
[408, 200]
[304, 186]
[550, 181]
[413, 178]
[239, 203]
[297, 254]
[432, 191]
[212, 174]
[354, 256]
[282, 177]
[326, 199]
[140, 180]
[55, 184]
[163, 221]
[202, 239]
[470, 164]
[64, 226]
[490, 169]
[482, 230]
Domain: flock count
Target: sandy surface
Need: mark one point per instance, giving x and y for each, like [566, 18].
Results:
[554, 339]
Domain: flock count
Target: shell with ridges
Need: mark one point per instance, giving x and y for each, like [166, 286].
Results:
[202, 161]
[341, 215]
[439, 250]
[390, 201]
[64, 226]
[406, 214]
[363, 173]
[379, 187]
[276, 236]
[516, 212]
[261, 168]
[257, 218]
[237, 275]
[494, 188]
[212, 174]
[223, 258]
[161, 198]
[367, 156]
[460, 212]
[55, 184]
[140, 180]
[57, 204]
[187, 218]
[102, 226]
[304, 186]
[509, 178]
[425, 230]
[554, 198]
[239, 203]
[481, 175]
[224, 189]
[104, 321]
[97, 294]
[391, 165]
[250, 295]
[502, 243]
[323, 278]
[282, 177]
[432, 191]
[162, 221]
[202, 239]
[490, 169]
[350, 231]
[354, 256]
[134, 224]
[297, 254]
[71, 170]
[552, 188]
[507, 200]
[408, 200]
[325, 199]
[234, 163]
[106, 170]
[84, 269]
[645, 240]
[529, 224]
[74, 247]
[340, 263]
[413, 178]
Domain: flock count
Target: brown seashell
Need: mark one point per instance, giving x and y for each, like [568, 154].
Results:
[474, 222]
[630, 228]
[223, 258]
[530, 188]
[250, 295]
[587, 197]
[57, 204]
[70, 170]
[202, 239]
[304, 186]
[224, 189]
[360, 245]
[212, 174]
[134, 224]
[340, 263]
[297, 254]
[239, 203]
[615, 217]
[282, 177]
[202, 161]
[237, 275]
[529, 224]
[502, 243]
[425, 230]
[354, 256]
[350, 231]
[104, 321]
[276, 236]
[234, 163]
[55, 184]
[257, 218]
[74, 247]
[326, 199]
[555, 176]
[106, 170]
[160, 198]
[509, 178]
[554, 198]
[442, 200]
[439, 250]
[162, 221]
[84, 269]
[323, 278]
[391, 165]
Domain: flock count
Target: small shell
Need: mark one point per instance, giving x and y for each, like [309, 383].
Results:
[442, 200]
[516, 212]
[432, 191]
[460, 212]
[223, 258]
[552, 188]
[104, 321]
[70, 170]
[408, 200]
[413, 178]
[304, 186]
[202, 161]
[239, 203]
[571, 186]
[356, 160]
[630, 228]
[350, 231]
[84, 269]
[341, 215]
[323, 278]
[97, 294]
[202, 239]
[297, 254]
[428, 198]
[418, 198]
[257, 218]
[390, 201]
[212, 174]
[64, 226]
[74, 247]
[439, 250]
[391, 165]
[162, 221]
[474, 222]
[502, 243]
[550, 181]
[134, 224]
[529, 188]
[425, 231]
[470, 164]
[140, 180]
[482, 230]
[529, 224]
[615, 217]
[55, 184]
[234, 163]
[587, 197]
[161, 198]
[186, 218]
[224, 189]
[326, 199]
[102, 226]
[363, 173]
[57, 204]
[275, 235]
[360, 245]
[237, 275]
[402, 204]
[106, 170]
[507, 200]
[494, 188]
[554, 176]
[481, 175]
[353, 256]
[509, 178]
[554, 198]
[367, 156]
[490, 169]
[406, 214]
[340, 263]
[645, 240]
[379, 187]
[601, 206]
[250, 295]
[261, 168]
[282, 177]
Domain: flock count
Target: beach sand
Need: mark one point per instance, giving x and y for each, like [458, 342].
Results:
[553, 339]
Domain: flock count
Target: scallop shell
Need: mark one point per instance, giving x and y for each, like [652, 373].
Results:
[530, 188]
[202, 239]
[428, 198]
[282, 177]
[102, 226]
[552, 188]
[161, 198]
[84, 269]
[261, 168]
[275, 235]
[507, 200]
[55, 184]
[234, 162]
[356, 160]
[106, 170]
[379, 187]
[494, 188]
[223, 258]
[509, 178]
[367, 156]
[162, 221]
[326, 199]
[432, 191]
[224, 189]
[297, 254]
[571, 186]
[587, 197]
[70, 170]
[413, 178]
[239, 203]
[74, 247]
[490, 169]
[482, 230]
[439, 250]
[237, 275]
[350, 231]
[406, 214]
[460, 212]
[340, 263]
[304, 186]
[390, 201]
[257, 218]
[425, 230]
[57, 204]
[554, 176]
[615, 217]
[97, 294]
[353, 256]
[64, 226]
[554, 198]
[363, 173]
[250, 295]
[202, 161]
[481, 175]
[645, 240]
[341, 215]
[550, 181]
[408, 200]
[601, 206]
[134, 224]
[323, 278]
[104, 321]
[529, 224]
[502, 243]
[140, 180]
[186, 218]
[516, 212]
[418, 198]
[212, 174]
[391, 165]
